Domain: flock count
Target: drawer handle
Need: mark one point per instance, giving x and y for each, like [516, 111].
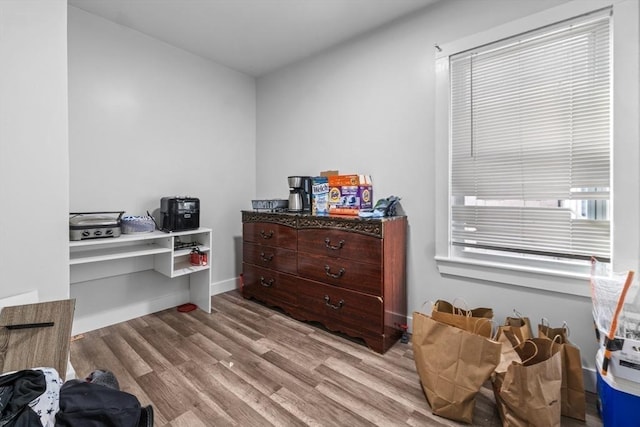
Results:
[327, 243]
[266, 235]
[338, 275]
[266, 284]
[265, 257]
[327, 302]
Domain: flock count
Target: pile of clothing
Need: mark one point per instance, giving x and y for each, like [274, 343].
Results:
[34, 397]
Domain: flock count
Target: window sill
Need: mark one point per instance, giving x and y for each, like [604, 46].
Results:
[529, 277]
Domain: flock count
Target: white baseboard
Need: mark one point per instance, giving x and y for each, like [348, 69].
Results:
[225, 286]
[590, 379]
[20, 299]
[90, 322]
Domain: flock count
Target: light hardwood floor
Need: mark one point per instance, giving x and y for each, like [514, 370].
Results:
[248, 365]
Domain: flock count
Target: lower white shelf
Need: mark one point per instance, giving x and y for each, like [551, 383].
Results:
[114, 252]
[182, 268]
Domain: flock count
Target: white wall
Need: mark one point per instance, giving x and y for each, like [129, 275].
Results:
[368, 107]
[148, 120]
[34, 193]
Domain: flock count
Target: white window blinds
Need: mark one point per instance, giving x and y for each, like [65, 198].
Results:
[531, 142]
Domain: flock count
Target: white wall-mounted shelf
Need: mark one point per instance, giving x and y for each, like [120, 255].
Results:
[98, 258]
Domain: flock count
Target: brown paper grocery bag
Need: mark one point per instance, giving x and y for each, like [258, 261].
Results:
[572, 391]
[470, 320]
[520, 326]
[508, 353]
[452, 364]
[507, 333]
[528, 393]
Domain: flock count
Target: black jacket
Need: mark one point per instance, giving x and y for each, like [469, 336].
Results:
[84, 404]
[17, 390]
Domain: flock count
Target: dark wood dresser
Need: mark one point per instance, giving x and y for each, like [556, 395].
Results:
[347, 273]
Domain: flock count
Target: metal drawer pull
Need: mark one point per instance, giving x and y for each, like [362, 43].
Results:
[266, 284]
[266, 235]
[327, 243]
[327, 269]
[327, 302]
[266, 258]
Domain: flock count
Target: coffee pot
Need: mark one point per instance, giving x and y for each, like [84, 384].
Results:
[299, 193]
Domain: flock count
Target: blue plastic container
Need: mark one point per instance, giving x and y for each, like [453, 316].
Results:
[618, 399]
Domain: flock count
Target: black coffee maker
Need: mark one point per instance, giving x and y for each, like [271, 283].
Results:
[299, 193]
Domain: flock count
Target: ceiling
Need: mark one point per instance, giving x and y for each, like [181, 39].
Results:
[252, 36]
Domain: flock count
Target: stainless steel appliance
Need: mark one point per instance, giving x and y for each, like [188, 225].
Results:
[94, 225]
[180, 213]
[299, 193]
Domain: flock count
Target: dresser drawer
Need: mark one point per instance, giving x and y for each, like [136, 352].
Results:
[269, 286]
[339, 243]
[340, 308]
[270, 234]
[275, 258]
[344, 273]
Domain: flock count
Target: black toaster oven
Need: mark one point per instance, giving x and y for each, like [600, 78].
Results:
[180, 213]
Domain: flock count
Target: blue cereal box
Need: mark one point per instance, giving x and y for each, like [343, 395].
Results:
[320, 195]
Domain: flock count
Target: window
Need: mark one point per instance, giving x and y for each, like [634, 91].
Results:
[530, 143]
[537, 150]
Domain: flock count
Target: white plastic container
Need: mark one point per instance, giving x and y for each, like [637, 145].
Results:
[624, 363]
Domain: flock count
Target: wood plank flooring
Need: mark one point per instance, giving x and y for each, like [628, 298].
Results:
[248, 365]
